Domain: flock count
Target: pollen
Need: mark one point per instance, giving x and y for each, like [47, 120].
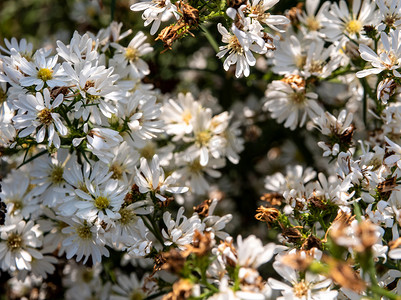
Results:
[136, 295]
[203, 137]
[14, 242]
[45, 116]
[84, 232]
[148, 151]
[186, 116]
[298, 98]
[195, 166]
[300, 289]
[300, 61]
[127, 216]
[56, 175]
[312, 24]
[235, 45]
[102, 202]
[45, 74]
[131, 54]
[353, 26]
[117, 171]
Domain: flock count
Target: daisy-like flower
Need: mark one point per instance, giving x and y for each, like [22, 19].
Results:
[238, 55]
[155, 11]
[311, 20]
[128, 288]
[7, 129]
[178, 115]
[312, 287]
[343, 23]
[18, 244]
[390, 14]
[152, 179]
[291, 104]
[22, 47]
[388, 59]
[93, 83]
[181, 231]
[258, 10]
[41, 71]
[84, 240]
[38, 112]
[132, 55]
[80, 50]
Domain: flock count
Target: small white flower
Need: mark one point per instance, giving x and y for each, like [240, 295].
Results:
[39, 112]
[151, 179]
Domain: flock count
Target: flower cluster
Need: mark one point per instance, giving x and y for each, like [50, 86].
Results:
[106, 171]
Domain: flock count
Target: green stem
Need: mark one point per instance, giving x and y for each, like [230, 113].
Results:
[210, 38]
[357, 211]
[383, 292]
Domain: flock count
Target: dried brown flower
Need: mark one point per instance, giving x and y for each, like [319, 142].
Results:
[182, 290]
[275, 199]
[201, 245]
[295, 81]
[267, 214]
[203, 209]
[174, 261]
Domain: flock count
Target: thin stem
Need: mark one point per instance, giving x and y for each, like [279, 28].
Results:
[210, 38]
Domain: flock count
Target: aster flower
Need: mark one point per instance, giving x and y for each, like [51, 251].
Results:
[238, 55]
[41, 71]
[85, 240]
[132, 55]
[128, 288]
[258, 10]
[388, 59]
[290, 104]
[156, 12]
[314, 286]
[396, 157]
[38, 112]
[22, 47]
[311, 20]
[80, 50]
[19, 241]
[152, 179]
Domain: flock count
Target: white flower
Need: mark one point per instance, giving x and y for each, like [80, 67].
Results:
[251, 253]
[389, 58]
[396, 157]
[84, 240]
[80, 50]
[238, 55]
[39, 112]
[290, 105]
[132, 55]
[312, 287]
[128, 288]
[178, 115]
[41, 71]
[257, 10]
[18, 244]
[7, 130]
[343, 23]
[151, 179]
[311, 20]
[155, 11]
[180, 232]
[23, 47]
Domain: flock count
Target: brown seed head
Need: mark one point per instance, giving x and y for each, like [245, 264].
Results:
[268, 215]
[182, 290]
[203, 209]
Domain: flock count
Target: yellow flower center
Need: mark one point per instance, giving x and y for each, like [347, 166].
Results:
[316, 67]
[117, 171]
[300, 289]
[353, 26]
[203, 137]
[14, 242]
[186, 116]
[127, 216]
[136, 295]
[45, 74]
[312, 24]
[298, 98]
[45, 116]
[131, 54]
[84, 232]
[300, 61]
[56, 175]
[102, 202]
[148, 151]
[195, 166]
